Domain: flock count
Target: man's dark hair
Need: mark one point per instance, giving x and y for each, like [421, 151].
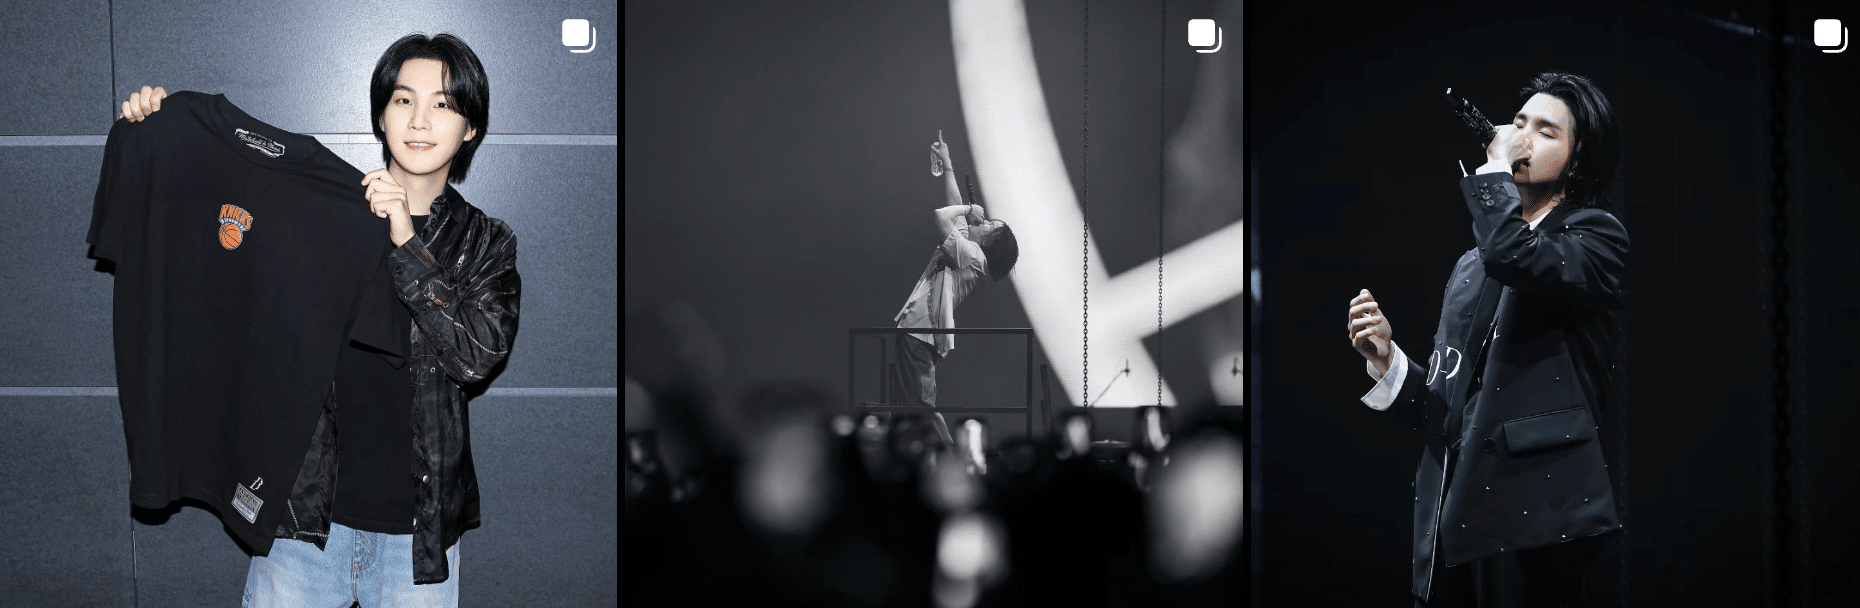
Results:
[1002, 251]
[1597, 152]
[466, 85]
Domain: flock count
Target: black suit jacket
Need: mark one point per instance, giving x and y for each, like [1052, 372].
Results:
[1528, 355]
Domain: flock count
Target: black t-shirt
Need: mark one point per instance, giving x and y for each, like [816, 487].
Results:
[242, 255]
[374, 432]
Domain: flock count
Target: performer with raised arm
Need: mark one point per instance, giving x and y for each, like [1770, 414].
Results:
[1519, 398]
[973, 246]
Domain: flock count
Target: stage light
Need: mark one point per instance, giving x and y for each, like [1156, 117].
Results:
[786, 485]
[1196, 508]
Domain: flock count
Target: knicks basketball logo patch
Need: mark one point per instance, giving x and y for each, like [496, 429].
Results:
[233, 224]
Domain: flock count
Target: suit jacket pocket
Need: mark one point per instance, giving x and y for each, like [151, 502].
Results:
[1548, 430]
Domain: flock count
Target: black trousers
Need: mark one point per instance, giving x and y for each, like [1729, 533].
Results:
[1581, 572]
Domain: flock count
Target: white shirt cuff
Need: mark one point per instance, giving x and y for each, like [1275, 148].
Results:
[1389, 385]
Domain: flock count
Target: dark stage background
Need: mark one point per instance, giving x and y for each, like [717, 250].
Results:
[1354, 155]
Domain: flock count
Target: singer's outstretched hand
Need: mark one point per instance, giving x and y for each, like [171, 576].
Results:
[941, 150]
[1369, 328]
[1508, 149]
[952, 194]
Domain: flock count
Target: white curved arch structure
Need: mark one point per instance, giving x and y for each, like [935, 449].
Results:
[1017, 155]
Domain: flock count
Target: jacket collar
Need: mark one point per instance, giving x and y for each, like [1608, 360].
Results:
[441, 213]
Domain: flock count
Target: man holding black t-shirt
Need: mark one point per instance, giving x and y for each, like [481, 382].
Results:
[359, 526]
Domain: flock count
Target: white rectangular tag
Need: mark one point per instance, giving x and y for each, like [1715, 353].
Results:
[247, 503]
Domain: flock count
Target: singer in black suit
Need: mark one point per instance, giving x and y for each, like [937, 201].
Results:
[1518, 494]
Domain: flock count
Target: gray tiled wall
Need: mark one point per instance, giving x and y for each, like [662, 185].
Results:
[549, 168]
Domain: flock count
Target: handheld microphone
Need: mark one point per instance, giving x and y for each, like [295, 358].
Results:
[1474, 119]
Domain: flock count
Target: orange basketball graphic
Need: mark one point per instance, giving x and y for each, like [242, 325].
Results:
[230, 236]
[233, 224]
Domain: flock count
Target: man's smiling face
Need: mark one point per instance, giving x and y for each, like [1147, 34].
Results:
[423, 130]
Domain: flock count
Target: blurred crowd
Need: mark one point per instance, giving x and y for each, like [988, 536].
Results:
[783, 497]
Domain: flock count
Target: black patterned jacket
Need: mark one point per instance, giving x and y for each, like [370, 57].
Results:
[459, 279]
[1521, 399]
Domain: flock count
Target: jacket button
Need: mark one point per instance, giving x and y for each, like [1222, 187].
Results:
[1487, 445]
[422, 479]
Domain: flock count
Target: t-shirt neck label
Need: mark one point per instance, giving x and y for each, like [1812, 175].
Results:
[259, 142]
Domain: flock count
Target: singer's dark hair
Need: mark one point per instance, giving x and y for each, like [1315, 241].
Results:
[1002, 251]
[1597, 153]
[1000, 246]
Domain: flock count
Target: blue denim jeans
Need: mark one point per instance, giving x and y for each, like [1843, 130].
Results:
[372, 568]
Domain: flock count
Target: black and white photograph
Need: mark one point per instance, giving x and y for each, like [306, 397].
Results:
[936, 304]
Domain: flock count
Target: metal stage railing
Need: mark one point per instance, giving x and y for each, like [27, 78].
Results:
[856, 406]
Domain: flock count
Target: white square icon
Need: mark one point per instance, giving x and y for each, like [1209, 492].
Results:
[1828, 32]
[1201, 32]
[575, 32]
[1204, 33]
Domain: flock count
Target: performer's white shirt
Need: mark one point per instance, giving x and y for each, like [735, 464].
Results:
[1389, 385]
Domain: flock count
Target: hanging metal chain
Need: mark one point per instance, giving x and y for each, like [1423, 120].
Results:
[1162, 118]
